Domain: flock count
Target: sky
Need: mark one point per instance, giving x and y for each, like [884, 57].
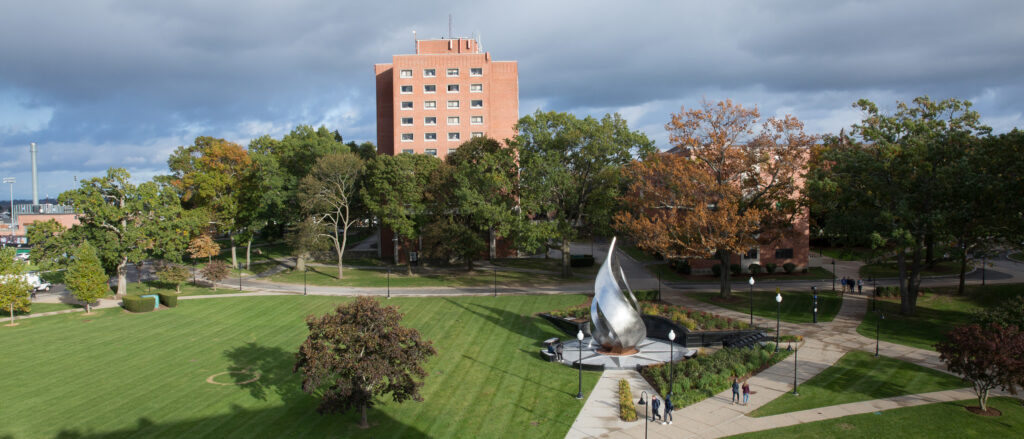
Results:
[122, 83]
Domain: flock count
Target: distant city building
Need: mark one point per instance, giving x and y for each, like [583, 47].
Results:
[432, 101]
[14, 232]
[443, 95]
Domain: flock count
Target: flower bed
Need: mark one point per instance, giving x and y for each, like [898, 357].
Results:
[685, 317]
[698, 378]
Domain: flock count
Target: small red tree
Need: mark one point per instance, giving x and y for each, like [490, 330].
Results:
[358, 352]
[988, 357]
[215, 271]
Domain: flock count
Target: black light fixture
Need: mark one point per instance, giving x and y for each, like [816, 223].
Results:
[778, 318]
[643, 402]
[751, 282]
[579, 341]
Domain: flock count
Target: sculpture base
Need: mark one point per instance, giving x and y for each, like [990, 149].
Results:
[650, 351]
[618, 352]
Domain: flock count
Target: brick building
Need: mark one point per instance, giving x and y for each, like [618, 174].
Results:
[432, 101]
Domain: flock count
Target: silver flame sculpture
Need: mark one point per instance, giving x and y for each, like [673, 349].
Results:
[615, 317]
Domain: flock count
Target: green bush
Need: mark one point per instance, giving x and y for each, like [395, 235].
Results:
[887, 291]
[716, 270]
[685, 268]
[169, 300]
[646, 295]
[770, 267]
[136, 303]
[789, 267]
[707, 375]
[627, 411]
[754, 268]
[735, 269]
[1009, 312]
[581, 261]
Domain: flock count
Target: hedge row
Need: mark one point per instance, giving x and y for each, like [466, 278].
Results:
[136, 303]
[627, 411]
[698, 378]
[169, 300]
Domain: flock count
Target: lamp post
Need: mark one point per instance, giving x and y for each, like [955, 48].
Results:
[304, 273]
[494, 270]
[579, 341]
[878, 322]
[671, 358]
[778, 318]
[833, 275]
[795, 352]
[11, 181]
[751, 282]
[389, 283]
[874, 295]
[815, 291]
[643, 402]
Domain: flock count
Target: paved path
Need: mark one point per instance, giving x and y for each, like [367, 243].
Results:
[824, 344]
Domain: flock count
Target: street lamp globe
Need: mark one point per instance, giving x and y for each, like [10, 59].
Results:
[672, 335]
[778, 297]
[751, 281]
[579, 335]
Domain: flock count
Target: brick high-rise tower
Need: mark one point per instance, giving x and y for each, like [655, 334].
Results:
[446, 93]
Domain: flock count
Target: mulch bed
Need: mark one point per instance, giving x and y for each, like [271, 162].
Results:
[992, 411]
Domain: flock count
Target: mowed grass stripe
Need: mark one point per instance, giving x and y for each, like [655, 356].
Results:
[134, 374]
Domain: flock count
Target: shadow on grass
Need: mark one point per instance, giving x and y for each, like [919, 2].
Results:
[285, 421]
[274, 366]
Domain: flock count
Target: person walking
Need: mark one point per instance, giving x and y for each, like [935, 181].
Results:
[558, 351]
[842, 285]
[860, 286]
[746, 392]
[668, 409]
[655, 406]
[735, 390]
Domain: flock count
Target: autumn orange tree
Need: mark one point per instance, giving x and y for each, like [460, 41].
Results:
[733, 184]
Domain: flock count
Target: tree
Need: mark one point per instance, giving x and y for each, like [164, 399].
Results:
[85, 277]
[472, 195]
[203, 246]
[211, 175]
[393, 190]
[215, 271]
[569, 175]
[359, 352]
[172, 274]
[734, 185]
[329, 195]
[302, 239]
[895, 185]
[119, 218]
[989, 357]
[14, 288]
[49, 249]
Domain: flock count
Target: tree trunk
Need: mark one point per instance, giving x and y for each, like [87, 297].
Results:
[234, 252]
[12, 314]
[300, 262]
[248, 252]
[983, 400]
[963, 268]
[929, 253]
[138, 271]
[566, 256]
[88, 308]
[362, 418]
[901, 264]
[122, 278]
[469, 263]
[914, 282]
[340, 248]
[492, 242]
[177, 288]
[724, 288]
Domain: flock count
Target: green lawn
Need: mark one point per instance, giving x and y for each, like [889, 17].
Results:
[859, 376]
[1019, 257]
[797, 306]
[889, 269]
[39, 308]
[937, 312]
[187, 289]
[356, 277]
[637, 254]
[670, 275]
[849, 253]
[114, 374]
[942, 420]
[550, 264]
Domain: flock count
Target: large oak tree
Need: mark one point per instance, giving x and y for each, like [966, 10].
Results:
[733, 183]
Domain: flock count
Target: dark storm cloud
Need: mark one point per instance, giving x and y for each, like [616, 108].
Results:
[121, 83]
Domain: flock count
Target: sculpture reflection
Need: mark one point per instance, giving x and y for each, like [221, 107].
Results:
[615, 317]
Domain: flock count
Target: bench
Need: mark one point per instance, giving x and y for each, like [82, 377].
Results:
[547, 356]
